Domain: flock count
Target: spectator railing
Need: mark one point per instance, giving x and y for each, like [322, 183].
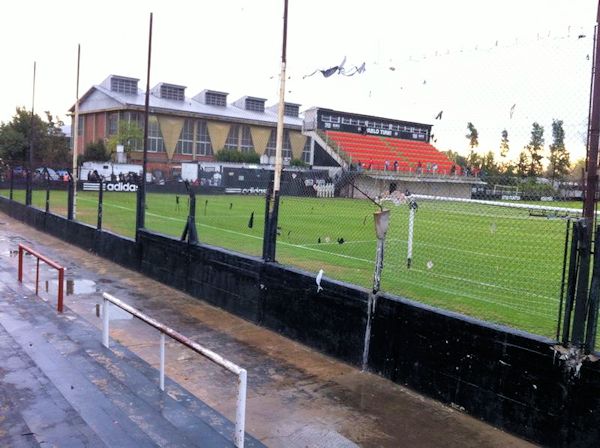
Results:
[240, 413]
[38, 256]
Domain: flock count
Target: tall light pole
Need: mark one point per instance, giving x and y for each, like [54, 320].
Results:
[28, 191]
[76, 138]
[141, 197]
[271, 224]
[281, 109]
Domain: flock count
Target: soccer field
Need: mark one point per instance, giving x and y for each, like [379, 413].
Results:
[499, 264]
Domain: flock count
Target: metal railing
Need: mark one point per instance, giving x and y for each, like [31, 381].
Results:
[240, 413]
[59, 268]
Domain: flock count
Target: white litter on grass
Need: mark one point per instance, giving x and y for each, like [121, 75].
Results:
[318, 280]
[429, 264]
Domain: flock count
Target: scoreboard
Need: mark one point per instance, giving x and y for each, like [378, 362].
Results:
[331, 120]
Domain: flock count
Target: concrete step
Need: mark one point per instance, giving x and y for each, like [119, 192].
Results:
[116, 393]
[128, 380]
[32, 411]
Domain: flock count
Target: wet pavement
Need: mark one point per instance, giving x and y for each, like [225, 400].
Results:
[297, 397]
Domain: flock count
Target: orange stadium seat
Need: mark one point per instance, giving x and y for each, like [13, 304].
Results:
[375, 150]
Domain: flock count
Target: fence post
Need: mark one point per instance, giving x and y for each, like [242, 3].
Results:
[382, 221]
[105, 321]
[592, 323]
[189, 232]
[100, 200]
[70, 201]
[12, 182]
[581, 296]
[47, 191]
[266, 232]
[28, 187]
[571, 283]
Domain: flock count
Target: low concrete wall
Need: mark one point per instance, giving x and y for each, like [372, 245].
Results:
[416, 185]
[511, 379]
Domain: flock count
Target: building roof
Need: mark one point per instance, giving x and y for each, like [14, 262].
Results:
[91, 101]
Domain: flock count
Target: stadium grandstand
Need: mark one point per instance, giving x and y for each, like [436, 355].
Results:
[384, 155]
[381, 154]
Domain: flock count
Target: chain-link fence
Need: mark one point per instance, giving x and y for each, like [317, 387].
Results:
[480, 162]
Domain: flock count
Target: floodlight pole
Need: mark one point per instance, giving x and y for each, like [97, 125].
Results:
[271, 229]
[28, 191]
[281, 108]
[141, 197]
[586, 306]
[73, 210]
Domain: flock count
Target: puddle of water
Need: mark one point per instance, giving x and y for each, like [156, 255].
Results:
[80, 286]
[73, 286]
[16, 238]
[115, 313]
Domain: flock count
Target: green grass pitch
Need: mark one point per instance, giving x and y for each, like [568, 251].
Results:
[495, 263]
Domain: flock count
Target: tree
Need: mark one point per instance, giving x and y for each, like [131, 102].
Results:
[457, 158]
[559, 156]
[489, 167]
[50, 145]
[129, 135]
[96, 152]
[504, 148]
[55, 146]
[534, 150]
[523, 164]
[576, 173]
[473, 137]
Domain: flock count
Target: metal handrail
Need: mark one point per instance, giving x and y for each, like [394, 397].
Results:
[58, 267]
[240, 413]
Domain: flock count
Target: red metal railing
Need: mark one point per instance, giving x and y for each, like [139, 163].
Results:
[59, 268]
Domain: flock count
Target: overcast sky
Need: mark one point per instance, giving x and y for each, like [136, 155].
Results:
[472, 59]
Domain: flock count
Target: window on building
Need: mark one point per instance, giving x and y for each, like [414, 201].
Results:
[169, 92]
[255, 105]
[330, 119]
[291, 110]
[137, 119]
[306, 151]
[185, 144]
[80, 125]
[215, 99]
[286, 150]
[233, 138]
[123, 85]
[155, 140]
[246, 140]
[203, 144]
[112, 123]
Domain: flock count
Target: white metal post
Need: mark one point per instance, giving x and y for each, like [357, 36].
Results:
[411, 225]
[105, 320]
[162, 361]
[240, 412]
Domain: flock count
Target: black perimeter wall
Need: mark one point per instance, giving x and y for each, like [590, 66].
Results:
[508, 378]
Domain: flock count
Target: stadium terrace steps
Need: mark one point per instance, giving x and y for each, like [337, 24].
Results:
[375, 151]
[90, 395]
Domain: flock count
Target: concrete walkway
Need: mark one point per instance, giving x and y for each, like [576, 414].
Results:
[296, 397]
